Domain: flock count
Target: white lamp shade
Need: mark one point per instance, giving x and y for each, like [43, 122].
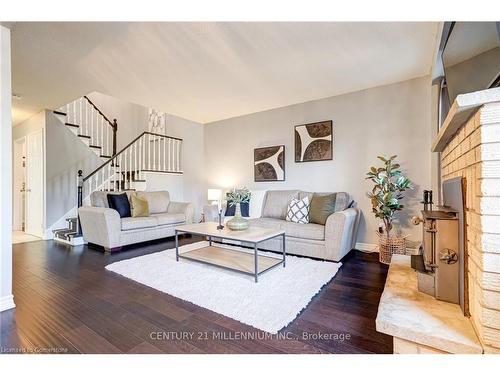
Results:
[214, 194]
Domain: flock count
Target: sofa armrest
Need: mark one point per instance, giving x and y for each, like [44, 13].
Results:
[185, 208]
[340, 232]
[101, 226]
[211, 213]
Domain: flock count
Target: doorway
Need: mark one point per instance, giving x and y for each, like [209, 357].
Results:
[19, 186]
[28, 187]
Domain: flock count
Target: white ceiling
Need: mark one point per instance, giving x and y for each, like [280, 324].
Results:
[211, 71]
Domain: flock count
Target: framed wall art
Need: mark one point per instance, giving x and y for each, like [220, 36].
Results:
[314, 142]
[269, 163]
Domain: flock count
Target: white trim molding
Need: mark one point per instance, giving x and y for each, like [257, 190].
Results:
[7, 303]
[369, 247]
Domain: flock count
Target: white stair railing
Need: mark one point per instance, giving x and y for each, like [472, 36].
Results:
[92, 124]
[149, 152]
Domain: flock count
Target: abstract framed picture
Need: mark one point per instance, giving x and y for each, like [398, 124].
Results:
[269, 163]
[314, 142]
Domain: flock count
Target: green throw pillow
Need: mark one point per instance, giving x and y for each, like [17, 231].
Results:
[140, 207]
[321, 207]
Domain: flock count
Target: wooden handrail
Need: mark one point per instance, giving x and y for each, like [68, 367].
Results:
[112, 124]
[127, 146]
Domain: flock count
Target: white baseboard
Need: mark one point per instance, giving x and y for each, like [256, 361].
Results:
[7, 303]
[369, 247]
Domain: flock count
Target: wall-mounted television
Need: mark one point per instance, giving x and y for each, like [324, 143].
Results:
[471, 57]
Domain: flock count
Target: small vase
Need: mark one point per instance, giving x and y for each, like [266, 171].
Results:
[237, 222]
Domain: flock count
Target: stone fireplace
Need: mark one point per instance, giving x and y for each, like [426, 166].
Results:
[471, 149]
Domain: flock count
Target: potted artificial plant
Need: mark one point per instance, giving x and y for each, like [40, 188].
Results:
[236, 197]
[386, 196]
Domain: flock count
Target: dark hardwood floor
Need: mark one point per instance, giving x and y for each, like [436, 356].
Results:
[68, 303]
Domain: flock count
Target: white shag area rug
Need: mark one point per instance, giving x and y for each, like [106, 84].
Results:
[269, 305]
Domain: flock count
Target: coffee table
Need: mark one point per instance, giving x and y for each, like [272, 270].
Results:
[243, 261]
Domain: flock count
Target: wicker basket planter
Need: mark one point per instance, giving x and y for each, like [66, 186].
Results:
[390, 245]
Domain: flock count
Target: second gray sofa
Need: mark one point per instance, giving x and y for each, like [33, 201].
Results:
[331, 241]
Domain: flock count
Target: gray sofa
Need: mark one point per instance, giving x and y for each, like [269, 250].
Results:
[331, 241]
[103, 226]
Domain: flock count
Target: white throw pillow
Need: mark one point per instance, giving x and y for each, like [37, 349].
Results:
[298, 211]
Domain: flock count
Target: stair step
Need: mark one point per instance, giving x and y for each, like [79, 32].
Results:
[64, 233]
[83, 136]
[71, 219]
[60, 113]
[72, 125]
[105, 156]
[152, 170]
[138, 180]
[93, 146]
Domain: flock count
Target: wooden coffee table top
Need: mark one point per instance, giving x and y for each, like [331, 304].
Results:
[252, 234]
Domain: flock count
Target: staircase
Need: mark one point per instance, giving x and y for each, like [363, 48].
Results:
[125, 170]
[149, 152]
[90, 125]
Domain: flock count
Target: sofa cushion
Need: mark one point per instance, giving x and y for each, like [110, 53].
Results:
[341, 202]
[129, 223]
[140, 207]
[166, 219]
[231, 208]
[266, 222]
[276, 203]
[322, 206]
[158, 201]
[100, 198]
[306, 231]
[120, 203]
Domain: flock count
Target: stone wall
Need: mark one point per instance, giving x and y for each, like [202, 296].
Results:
[474, 153]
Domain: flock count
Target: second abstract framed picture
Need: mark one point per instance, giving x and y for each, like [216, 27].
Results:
[269, 163]
[314, 142]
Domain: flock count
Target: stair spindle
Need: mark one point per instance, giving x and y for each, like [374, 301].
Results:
[164, 154]
[135, 161]
[178, 157]
[154, 153]
[170, 158]
[86, 118]
[120, 173]
[149, 151]
[109, 177]
[80, 113]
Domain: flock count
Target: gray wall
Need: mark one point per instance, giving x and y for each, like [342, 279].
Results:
[65, 154]
[388, 120]
[193, 153]
[132, 118]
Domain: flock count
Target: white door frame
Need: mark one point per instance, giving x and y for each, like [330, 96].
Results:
[35, 186]
[19, 176]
